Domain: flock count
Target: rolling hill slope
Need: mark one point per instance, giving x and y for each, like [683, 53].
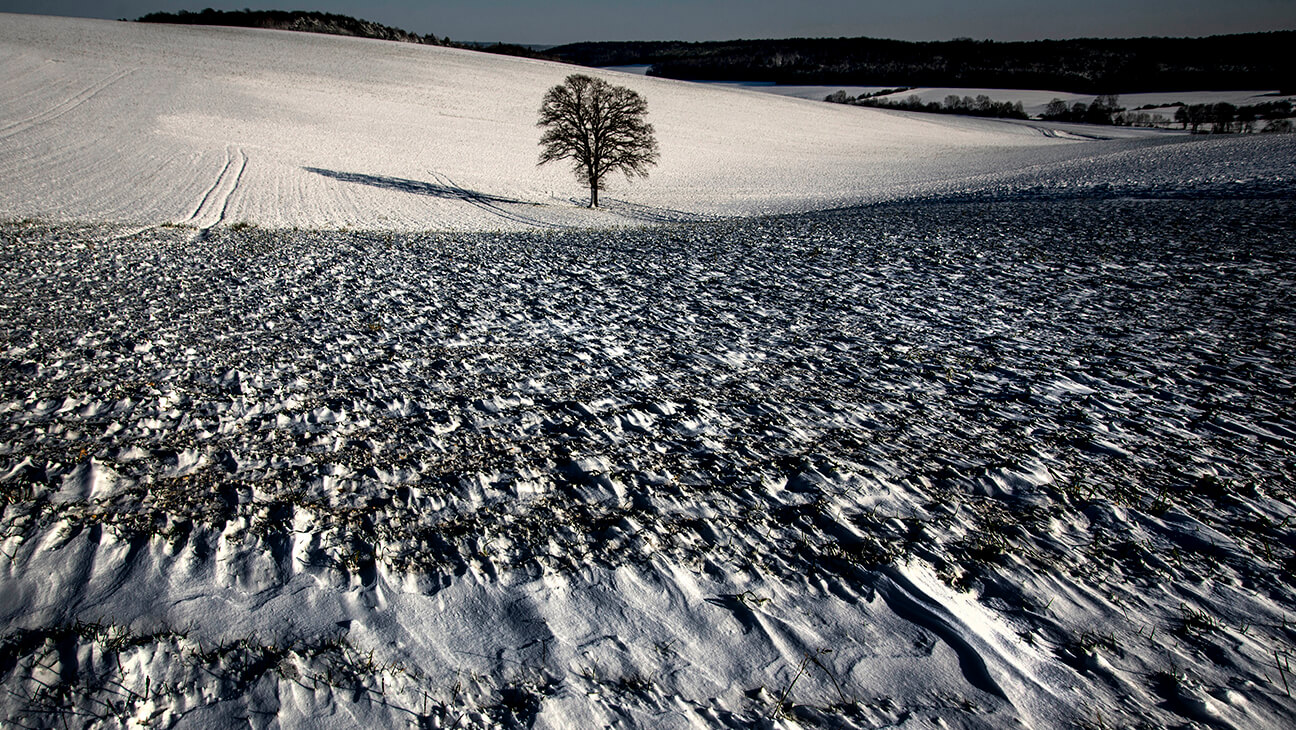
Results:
[147, 124]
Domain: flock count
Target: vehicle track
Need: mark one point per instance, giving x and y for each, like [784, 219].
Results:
[653, 214]
[63, 107]
[1052, 133]
[212, 208]
[483, 203]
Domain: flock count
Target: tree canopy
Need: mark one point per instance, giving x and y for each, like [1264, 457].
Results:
[601, 128]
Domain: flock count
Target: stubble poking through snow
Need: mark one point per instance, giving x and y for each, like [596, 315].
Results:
[673, 477]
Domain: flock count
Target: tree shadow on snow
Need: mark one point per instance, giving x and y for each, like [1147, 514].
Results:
[417, 187]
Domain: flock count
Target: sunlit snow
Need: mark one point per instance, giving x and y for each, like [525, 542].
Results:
[146, 124]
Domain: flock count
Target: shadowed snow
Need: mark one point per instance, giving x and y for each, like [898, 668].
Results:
[999, 461]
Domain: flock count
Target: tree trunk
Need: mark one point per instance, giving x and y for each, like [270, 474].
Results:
[593, 195]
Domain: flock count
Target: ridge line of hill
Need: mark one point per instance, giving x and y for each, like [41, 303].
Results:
[310, 21]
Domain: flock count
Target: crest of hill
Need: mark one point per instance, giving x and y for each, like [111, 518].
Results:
[310, 21]
[227, 126]
[307, 21]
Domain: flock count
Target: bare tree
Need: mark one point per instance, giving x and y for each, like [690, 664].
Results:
[599, 127]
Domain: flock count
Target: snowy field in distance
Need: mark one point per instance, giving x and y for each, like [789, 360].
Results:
[1034, 101]
[809, 92]
[148, 124]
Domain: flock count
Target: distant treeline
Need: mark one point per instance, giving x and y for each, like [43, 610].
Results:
[1220, 118]
[1085, 66]
[299, 20]
[326, 23]
[1226, 118]
[980, 106]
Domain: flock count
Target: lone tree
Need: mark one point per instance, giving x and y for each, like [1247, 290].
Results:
[599, 127]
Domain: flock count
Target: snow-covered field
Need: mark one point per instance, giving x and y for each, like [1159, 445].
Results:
[1015, 448]
[146, 124]
[960, 462]
[1035, 101]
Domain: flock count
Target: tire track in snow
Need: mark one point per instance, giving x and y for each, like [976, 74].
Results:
[238, 176]
[211, 190]
[64, 106]
[481, 202]
[652, 214]
[214, 205]
[1052, 133]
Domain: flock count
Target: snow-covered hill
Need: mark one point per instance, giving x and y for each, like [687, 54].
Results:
[148, 124]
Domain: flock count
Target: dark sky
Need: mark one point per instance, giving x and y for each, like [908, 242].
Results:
[562, 21]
